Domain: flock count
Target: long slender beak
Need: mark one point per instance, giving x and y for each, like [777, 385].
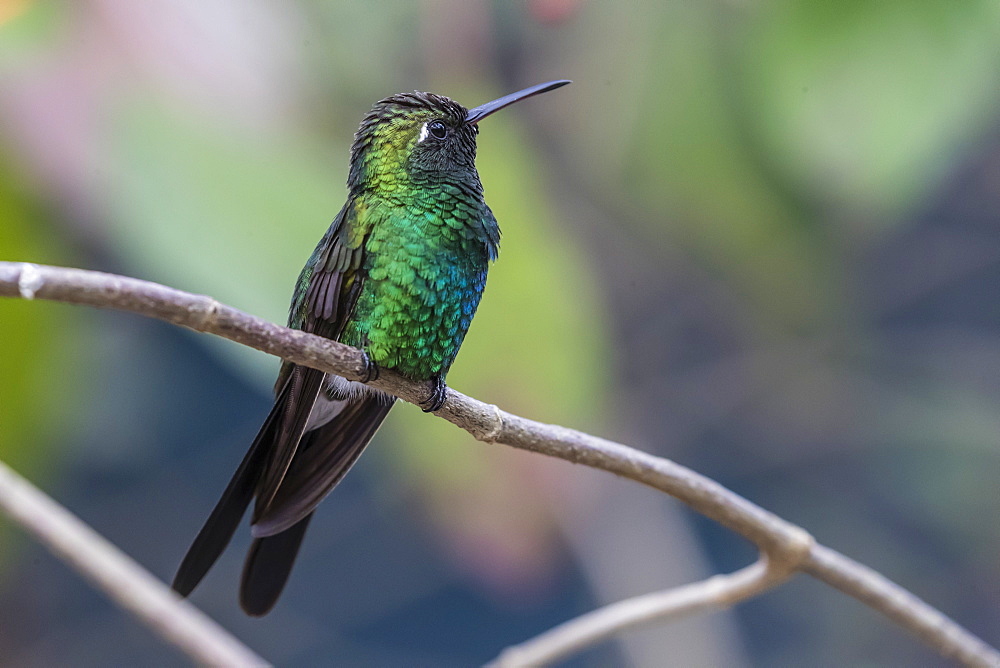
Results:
[484, 110]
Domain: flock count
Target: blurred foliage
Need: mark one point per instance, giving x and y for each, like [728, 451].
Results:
[208, 200]
[759, 238]
[862, 104]
[42, 344]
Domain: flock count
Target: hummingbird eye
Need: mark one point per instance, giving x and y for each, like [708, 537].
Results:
[438, 129]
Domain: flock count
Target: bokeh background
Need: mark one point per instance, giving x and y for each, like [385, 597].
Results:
[759, 238]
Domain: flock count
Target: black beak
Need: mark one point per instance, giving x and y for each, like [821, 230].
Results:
[484, 110]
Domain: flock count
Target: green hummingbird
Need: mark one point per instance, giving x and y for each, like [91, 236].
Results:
[398, 274]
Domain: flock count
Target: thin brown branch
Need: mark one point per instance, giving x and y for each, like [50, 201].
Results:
[878, 592]
[115, 573]
[787, 547]
[715, 593]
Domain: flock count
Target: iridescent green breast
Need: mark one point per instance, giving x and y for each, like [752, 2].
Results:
[425, 271]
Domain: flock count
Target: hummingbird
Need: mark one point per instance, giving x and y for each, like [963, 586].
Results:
[398, 274]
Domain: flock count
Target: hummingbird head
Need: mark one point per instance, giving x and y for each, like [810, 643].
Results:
[422, 138]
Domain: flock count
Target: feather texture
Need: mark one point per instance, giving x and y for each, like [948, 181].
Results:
[399, 273]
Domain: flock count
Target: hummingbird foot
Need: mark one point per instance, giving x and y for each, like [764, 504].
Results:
[439, 392]
[371, 370]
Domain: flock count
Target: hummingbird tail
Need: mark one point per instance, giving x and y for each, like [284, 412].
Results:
[267, 567]
[323, 458]
[226, 516]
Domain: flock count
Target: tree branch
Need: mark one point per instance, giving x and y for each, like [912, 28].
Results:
[715, 593]
[116, 574]
[786, 547]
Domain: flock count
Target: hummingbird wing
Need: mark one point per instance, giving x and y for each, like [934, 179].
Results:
[324, 296]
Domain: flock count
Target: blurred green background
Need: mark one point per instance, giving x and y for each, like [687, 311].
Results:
[759, 238]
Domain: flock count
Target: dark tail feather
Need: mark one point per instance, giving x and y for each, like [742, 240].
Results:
[222, 523]
[325, 456]
[303, 386]
[267, 567]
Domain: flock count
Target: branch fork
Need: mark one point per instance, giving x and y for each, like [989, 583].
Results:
[785, 549]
